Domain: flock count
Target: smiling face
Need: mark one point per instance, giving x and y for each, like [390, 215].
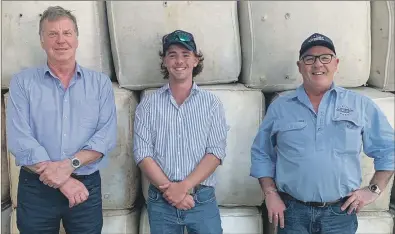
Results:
[59, 40]
[180, 62]
[318, 76]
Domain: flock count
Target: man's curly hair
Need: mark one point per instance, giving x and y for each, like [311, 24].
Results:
[196, 70]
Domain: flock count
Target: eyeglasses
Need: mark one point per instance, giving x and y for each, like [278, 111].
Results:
[324, 58]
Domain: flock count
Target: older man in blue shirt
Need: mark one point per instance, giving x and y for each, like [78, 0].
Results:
[306, 154]
[61, 124]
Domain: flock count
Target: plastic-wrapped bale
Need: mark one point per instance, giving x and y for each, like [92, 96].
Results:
[6, 210]
[244, 121]
[273, 31]
[5, 179]
[121, 221]
[233, 220]
[14, 227]
[137, 37]
[121, 177]
[375, 222]
[386, 102]
[21, 46]
[382, 69]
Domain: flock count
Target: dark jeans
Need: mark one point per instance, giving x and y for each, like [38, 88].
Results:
[164, 218]
[302, 219]
[41, 208]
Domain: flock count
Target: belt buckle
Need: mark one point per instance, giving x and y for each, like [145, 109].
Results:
[323, 205]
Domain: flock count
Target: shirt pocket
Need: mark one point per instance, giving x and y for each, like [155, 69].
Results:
[89, 111]
[291, 136]
[347, 136]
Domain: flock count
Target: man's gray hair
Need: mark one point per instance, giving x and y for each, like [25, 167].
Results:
[55, 12]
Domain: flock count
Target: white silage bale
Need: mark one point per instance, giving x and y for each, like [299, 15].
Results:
[121, 177]
[136, 30]
[6, 210]
[5, 180]
[382, 69]
[21, 46]
[386, 102]
[244, 110]
[375, 223]
[273, 31]
[121, 221]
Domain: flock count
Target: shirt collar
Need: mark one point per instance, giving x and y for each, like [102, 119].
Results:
[166, 87]
[300, 92]
[78, 70]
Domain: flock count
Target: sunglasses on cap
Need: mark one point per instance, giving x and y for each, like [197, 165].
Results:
[179, 37]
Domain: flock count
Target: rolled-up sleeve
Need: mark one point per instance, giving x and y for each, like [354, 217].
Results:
[142, 144]
[378, 138]
[262, 150]
[216, 143]
[105, 138]
[20, 137]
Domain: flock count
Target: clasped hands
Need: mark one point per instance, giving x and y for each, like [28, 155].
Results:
[175, 194]
[57, 175]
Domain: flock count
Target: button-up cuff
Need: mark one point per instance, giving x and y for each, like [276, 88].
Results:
[32, 156]
[141, 154]
[259, 170]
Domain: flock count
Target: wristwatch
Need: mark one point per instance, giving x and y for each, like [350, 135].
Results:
[374, 188]
[75, 162]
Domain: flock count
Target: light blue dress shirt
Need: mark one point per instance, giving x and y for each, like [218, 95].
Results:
[316, 156]
[46, 122]
[178, 137]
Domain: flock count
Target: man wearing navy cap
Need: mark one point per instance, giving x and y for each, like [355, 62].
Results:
[179, 140]
[306, 154]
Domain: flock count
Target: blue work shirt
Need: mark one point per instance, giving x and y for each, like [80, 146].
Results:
[316, 156]
[46, 122]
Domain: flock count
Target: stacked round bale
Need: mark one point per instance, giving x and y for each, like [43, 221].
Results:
[272, 33]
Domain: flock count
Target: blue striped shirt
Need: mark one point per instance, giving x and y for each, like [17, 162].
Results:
[46, 122]
[178, 137]
[316, 156]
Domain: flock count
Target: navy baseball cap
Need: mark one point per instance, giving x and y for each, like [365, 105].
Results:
[316, 40]
[179, 37]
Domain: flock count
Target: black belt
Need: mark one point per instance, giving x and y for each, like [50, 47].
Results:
[286, 196]
[75, 176]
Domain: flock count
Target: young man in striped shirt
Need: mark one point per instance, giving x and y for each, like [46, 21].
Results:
[179, 140]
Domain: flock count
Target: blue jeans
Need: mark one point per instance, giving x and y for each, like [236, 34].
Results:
[40, 207]
[167, 219]
[302, 219]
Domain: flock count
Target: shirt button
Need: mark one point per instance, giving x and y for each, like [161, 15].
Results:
[65, 100]
[65, 117]
[64, 134]
[319, 129]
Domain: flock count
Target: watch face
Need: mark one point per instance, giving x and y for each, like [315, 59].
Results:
[75, 162]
